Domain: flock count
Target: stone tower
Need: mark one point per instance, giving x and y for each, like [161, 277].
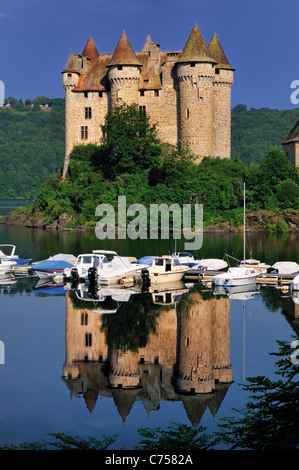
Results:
[223, 82]
[186, 94]
[195, 74]
[78, 65]
[124, 74]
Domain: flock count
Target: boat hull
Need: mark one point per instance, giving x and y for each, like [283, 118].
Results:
[162, 278]
[233, 282]
[236, 277]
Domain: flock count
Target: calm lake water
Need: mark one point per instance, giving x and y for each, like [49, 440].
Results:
[9, 205]
[72, 367]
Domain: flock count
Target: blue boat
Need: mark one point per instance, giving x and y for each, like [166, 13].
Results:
[50, 268]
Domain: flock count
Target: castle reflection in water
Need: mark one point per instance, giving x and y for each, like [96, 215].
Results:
[149, 351]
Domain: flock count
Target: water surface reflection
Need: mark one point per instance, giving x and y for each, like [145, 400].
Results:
[152, 348]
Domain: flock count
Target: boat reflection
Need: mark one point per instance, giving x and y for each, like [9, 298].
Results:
[237, 292]
[157, 348]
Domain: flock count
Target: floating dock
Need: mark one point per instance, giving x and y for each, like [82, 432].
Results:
[264, 278]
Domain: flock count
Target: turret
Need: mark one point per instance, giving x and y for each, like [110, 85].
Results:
[77, 65]
[70, 78]
[124, 73]
[195, 74]
[224, 78]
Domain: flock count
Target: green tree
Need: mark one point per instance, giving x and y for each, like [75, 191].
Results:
[130, 144]
[269, 420]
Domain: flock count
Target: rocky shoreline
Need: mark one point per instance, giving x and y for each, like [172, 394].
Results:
[259, 221]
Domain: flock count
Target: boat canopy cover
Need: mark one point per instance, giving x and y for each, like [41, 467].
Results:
[146, 260]
[286, 267]
[213, 264]
[63, 257]
[52, 265]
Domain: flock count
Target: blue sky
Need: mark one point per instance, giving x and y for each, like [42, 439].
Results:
[260, 39]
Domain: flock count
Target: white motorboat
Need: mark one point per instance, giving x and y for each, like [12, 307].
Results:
[95, 267]
[236, 276]
[255, 264]
[208, 264]
[6, 266]
[211, 264]
[164, 269]
[11, 256]
[183, 257]
[284, 267]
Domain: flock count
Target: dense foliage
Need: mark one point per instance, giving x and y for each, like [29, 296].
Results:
[130, 163]
[31, 146]
[255, 131]
[32, 141]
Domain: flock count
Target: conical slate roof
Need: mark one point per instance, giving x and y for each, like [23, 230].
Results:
[147, 44]
[124, 54]
[90, 50]
[71, 66]
[196, 49]
[218, 54]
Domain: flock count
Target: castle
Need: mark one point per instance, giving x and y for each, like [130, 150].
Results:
[187, 94]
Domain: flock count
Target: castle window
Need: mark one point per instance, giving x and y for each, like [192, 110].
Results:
[141, 92]
[142, 108]
[100, 94]
[84, 132]
[69, 75]
[119, 67]
[84, 319]
[192, 64]
[85, 94]
[87, 113]
[187, 113]
[217, 71]
[88, 340]
[156, 92]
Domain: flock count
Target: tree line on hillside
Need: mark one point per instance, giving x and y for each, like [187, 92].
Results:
[31, 148]
[35, 103]
[131, 162]
[255, 131]
[32, 141]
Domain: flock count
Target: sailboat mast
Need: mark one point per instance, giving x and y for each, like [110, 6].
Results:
[244, 224]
